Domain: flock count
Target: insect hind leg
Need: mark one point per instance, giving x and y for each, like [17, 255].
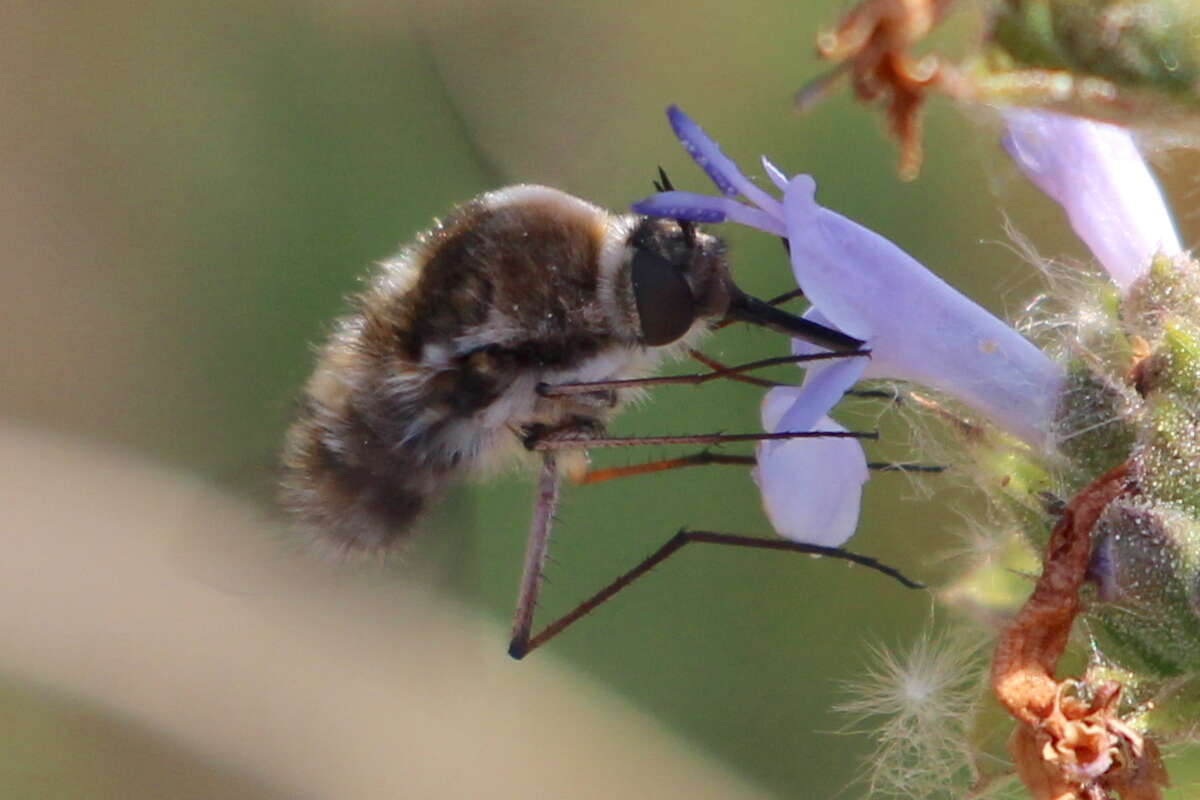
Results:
[545, 503]
[676, 543]
[580, 434]
[705, 458]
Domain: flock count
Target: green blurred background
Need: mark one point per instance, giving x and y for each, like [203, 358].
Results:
[190, 189]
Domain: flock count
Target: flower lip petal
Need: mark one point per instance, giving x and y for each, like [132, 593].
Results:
[1095, 171]
[812, 488]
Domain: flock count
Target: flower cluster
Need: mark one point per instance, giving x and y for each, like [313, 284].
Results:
[1113, 423]
[1146, 542]
[917, 327]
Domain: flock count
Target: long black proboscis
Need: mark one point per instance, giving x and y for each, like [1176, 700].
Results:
[744, 308]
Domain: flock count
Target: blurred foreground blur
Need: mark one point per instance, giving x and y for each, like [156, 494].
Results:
[255, 674]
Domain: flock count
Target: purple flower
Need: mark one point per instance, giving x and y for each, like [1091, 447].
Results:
[1095, 172]
[917, 327]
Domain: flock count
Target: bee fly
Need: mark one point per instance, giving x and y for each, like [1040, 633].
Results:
[450, 361]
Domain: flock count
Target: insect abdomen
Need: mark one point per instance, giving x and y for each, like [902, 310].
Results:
[347, 490]
[434, 377]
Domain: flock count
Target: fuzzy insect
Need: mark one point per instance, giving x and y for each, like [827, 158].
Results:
[522, 322]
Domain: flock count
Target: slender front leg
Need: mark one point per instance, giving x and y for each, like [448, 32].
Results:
[545, 502]
[732, 374]
[590, 387]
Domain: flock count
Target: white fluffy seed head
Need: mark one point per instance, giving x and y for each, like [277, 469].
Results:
[918, 706]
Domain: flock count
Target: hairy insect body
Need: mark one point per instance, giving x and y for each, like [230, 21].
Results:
[434, 376]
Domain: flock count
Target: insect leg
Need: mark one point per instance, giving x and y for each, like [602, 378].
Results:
[731, 373]
[703, 458]
[706, 457]
[589, 387]
[685, 537]
[734, 374]
[543, 441]
[569, 438]
[545, 502]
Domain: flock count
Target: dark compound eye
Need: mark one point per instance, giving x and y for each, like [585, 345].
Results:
[664, 299]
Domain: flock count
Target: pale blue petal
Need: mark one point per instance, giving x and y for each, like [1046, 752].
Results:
[684, 205]
[825, 383]
[775, 404]
[752, 217]
[707, 209]
[1096, 173]
[803, 348]
[812, 488]
[777, 176]
[917, 327]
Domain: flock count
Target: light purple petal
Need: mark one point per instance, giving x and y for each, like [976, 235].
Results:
[775, 404]
[803, 348]
[1095, 172]
[825, 383]
[812, 488]
[776, 175]
[720, 167]
[704, 151]
[683, 205]
[705, 208]
[918, 327]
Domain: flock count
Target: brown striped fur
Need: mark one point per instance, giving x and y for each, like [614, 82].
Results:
[433, 374]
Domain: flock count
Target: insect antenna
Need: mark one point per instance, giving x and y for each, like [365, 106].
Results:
[663, 184]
